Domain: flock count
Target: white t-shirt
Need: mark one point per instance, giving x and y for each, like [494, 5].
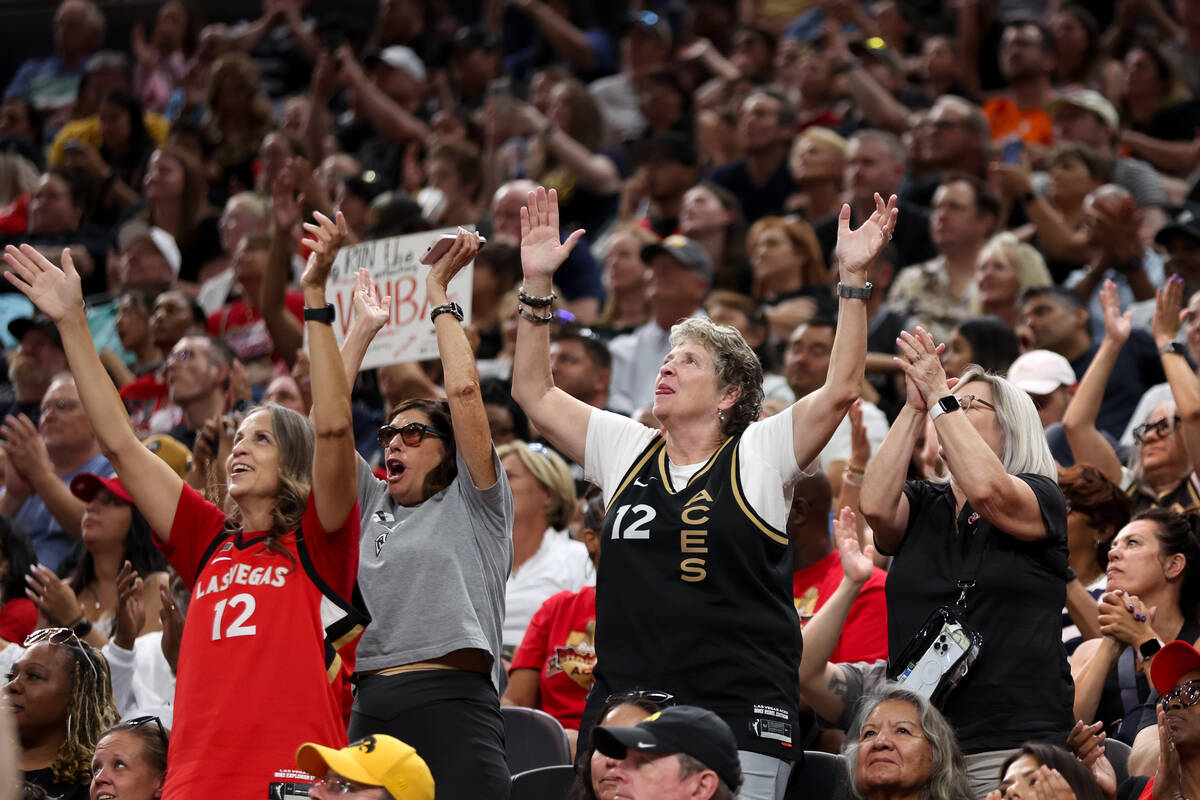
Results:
[766, 460]
[560, 564]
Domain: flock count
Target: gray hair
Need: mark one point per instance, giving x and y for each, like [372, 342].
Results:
[689, 766]
[886, 139]
[947, 777]
[976, 119]
[1025, 446]
[736, 365]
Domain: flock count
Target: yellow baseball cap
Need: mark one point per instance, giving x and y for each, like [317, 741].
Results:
[377, 760]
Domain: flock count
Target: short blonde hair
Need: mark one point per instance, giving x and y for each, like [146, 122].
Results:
[1026, 261]
[552, 473]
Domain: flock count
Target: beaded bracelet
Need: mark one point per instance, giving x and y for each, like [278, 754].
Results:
[534, 318]
[533, 300]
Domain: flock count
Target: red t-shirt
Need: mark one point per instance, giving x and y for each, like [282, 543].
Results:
[255, 680]
[560, 644]
[864, 636]
[18, 619]
[244, 329]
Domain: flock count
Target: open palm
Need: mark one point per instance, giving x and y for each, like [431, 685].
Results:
[541, 249]
[367, 302]
[1117, 326]
[56, 292]
[856, 249]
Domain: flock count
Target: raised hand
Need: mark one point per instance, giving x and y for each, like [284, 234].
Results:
[1168, 781]
[1117, 326]
[856, 249]
[131, 607]
[1168, 311]
[325, 240]
[1087, 743]
[367, 304]
[53, 596]
[172, 627]
[858, 565]
[541, 250]
[56, 292]
[920, 360]
[461, 253]
[860, 444]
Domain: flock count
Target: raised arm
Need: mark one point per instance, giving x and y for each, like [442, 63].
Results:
[286, 333]
[153, 485]
[561, 418]
[1185, 386]
[334, 468]
[370, 315]
[817, 415]
[882, 499]
[1079, 420]
[472, 435]
[822, 683]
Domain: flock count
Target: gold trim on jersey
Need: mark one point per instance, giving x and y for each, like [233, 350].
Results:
[665, 472]
[635, 470]
[335, 666]
[745, 507]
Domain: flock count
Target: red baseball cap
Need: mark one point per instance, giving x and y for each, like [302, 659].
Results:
[1171, 663]
[86, 484]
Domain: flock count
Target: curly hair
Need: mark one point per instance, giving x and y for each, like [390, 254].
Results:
[735, 363]
[91, 711]
[947, 776]
[1107, 508]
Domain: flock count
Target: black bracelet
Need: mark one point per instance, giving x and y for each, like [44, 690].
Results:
[534, 318]
[447, 308]
[82, 629]
[533, 300]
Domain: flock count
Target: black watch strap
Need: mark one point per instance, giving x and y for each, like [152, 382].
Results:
[319, 314]
[1147, 649]
[1173, 347]
[451, 308]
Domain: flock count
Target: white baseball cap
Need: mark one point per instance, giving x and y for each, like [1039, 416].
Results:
[1041, 372]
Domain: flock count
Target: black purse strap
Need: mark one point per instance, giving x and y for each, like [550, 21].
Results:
[966, 582]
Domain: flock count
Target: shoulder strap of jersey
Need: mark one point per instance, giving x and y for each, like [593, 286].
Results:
[638, 464]
[735, 479]
[225, 535]
[343, 621]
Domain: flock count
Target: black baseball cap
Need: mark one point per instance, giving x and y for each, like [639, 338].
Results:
[1186, 222]
[23, 325]
[690, 730]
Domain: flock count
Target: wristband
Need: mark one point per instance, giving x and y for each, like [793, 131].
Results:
[534, 318]
[1028, 198]
[855, 292]
[533, 300]
[323, 315]
[447, 308]
[1173, 347]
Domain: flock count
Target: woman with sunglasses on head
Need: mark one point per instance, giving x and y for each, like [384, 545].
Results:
[694, 539]
[114, 534]
[436, 553]
[997, 530]
[1161, 471]
[269, 575]
[1150, 599]
[624, 709]
[60, 695]
[130, 761]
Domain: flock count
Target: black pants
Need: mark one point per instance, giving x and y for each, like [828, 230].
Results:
[450, 717]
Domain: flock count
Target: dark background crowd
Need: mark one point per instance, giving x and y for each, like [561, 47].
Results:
[1047, 164]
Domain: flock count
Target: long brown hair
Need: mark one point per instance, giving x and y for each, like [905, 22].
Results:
[193, 202]
[804, 241]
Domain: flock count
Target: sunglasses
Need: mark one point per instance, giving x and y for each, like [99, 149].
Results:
[1160, 428]
[137, 722]
[1185, 695]
[967, 401]
[411, 434]
[61, 636]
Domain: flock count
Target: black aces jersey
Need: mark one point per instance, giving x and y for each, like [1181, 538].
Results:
[694, 597]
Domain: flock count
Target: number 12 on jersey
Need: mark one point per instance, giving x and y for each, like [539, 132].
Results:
[639, 522]
[238, 626]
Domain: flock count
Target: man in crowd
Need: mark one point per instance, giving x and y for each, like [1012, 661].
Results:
[761, 180]
[33, 364]
[953, 137]
[40, 464]
[1027, 60]
[680, 753]
[581, 365]
[378, 767]
[681, 273]
[198, 372]
[935, 294]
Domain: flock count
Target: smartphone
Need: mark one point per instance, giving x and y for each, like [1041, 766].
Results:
[924, 676]
[441, 245]
[1012, 152]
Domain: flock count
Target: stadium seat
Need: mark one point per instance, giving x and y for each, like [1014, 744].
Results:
[544, 783]
[533, 739]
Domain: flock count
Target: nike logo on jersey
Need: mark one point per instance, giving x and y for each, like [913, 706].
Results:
[639, 482]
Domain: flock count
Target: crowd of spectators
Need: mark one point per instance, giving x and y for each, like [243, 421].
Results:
[942, 261]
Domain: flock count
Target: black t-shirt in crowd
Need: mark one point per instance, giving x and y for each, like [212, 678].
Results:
[1138, 368]
[1019, 688]
[757, 201]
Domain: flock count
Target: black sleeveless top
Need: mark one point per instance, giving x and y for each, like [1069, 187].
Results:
[694, 597]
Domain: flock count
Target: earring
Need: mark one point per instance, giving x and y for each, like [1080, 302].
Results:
[721, 414]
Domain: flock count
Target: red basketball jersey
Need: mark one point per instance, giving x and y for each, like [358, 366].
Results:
[268, 645]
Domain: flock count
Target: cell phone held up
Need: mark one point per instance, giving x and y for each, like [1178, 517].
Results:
[441, 245]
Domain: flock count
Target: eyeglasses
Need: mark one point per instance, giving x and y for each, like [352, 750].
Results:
[61, 636]
[137, 722]
[411, 434]
[59, 406]
[1185, 695]
[338, 785]
[1159, 428]
[968, 401]
[178, 356]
